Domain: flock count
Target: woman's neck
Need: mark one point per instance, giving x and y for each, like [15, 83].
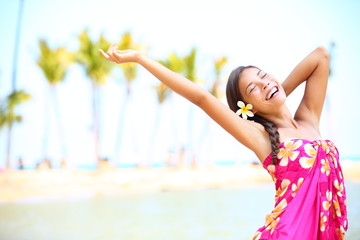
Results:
[283, 118]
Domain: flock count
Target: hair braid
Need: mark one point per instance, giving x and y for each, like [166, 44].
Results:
[272, 130]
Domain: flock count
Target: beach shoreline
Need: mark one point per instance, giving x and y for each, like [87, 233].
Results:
[47, 184]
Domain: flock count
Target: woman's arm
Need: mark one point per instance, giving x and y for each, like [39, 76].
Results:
[244, 131]
[314, 69]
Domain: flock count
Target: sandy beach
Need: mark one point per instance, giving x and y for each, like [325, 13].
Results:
[25, 185]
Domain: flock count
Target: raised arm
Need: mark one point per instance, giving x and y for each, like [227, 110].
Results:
[244, 131]
[314, 69]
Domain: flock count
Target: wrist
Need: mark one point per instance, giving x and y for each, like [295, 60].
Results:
[140, 58]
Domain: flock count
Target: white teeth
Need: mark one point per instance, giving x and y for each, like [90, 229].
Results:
[271, 93]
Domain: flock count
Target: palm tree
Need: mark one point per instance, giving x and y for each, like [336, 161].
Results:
[215, 90]
[219, 64]
[176, 64]
[54, 65]
[17, 44]
[8, 117]
[190, 73]
[97, 70]
[190, 65]
[130, 71]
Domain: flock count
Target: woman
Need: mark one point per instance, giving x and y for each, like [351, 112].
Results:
[310, 200]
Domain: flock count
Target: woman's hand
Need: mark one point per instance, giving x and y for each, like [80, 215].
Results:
[120, 56]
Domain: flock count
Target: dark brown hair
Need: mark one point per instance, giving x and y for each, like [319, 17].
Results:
[233, 95]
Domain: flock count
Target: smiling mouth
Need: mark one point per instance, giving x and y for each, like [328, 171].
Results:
[272, 93]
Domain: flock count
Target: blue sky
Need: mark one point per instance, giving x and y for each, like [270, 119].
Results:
[274, 35]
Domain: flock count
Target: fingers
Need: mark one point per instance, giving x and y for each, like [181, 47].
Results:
[117, 56]
[112, 48]
[105, 55]
[109, 55]
[114, 54]
[111, 51]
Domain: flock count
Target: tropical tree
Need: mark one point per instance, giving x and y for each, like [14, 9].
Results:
[8, 117]
[190, 73]
[54, 65]
[176, 64]
[97, 70]
[214, 89]
[17, 43]
[130, 71]
[219, 64]
[190, 65]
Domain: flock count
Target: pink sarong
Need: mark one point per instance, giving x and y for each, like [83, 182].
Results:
[310, 199]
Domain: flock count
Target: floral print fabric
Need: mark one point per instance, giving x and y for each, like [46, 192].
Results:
[310, 198]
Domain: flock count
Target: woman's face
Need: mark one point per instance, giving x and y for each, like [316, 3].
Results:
[261, 90]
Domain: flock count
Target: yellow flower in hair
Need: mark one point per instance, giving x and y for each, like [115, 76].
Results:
[244, 111]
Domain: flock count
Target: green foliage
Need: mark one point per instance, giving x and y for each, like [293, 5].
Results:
[7, 109]
[162, 92]
[174, 63]
[184, 65]
[54, 63]
[130, 70]
[88, 56]
[190, 65]
[219, 64]
[218, 67]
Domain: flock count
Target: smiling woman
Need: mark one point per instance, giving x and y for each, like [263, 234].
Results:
[300, 165]
[265, 35]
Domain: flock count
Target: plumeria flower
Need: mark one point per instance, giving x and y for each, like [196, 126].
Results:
[244, 111]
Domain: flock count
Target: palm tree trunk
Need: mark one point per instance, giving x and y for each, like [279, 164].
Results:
[46, 128]
[60, 125]
[14, 75]
[96, 122]
[175, 135]
[16, 45]
[121, 124]
[8, 151]
[206, 131]
[153, 136]
[190, 146]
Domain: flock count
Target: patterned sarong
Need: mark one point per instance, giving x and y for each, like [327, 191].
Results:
[310, 199]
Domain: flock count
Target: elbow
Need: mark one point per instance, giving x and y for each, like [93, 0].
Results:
[323, 52]
[202, 99]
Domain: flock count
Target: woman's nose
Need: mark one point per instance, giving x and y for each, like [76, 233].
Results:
[265, 85]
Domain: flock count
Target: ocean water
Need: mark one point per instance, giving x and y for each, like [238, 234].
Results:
[212, 214]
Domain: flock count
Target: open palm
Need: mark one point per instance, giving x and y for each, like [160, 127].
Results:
[120, 56]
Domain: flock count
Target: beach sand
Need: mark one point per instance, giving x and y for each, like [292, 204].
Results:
[38, 185]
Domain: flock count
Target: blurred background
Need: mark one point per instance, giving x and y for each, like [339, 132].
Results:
[63, 106]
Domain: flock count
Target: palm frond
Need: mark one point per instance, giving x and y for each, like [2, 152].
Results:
[7, 108]
[130, 70]
[88, 56]
[54, 62]
[190, 65]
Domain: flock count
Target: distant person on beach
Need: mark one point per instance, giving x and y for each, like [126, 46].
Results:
[310, 199]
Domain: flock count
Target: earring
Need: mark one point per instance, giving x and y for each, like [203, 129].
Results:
[244, 111]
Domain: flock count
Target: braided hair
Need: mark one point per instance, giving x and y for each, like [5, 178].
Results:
[233, 95]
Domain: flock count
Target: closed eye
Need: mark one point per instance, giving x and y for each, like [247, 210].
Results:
[252, 89]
